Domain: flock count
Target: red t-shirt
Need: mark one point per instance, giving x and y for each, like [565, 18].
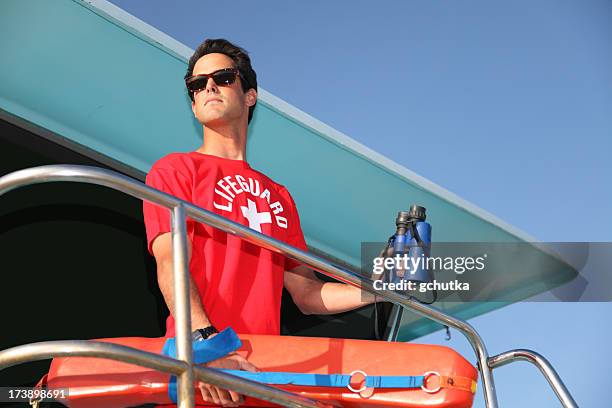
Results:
[240, 284]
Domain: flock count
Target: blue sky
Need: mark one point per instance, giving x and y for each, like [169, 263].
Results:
[507, 104]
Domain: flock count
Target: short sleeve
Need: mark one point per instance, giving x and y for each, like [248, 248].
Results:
[295, 236]
[157, 218]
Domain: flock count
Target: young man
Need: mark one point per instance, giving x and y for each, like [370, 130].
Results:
[233, 283]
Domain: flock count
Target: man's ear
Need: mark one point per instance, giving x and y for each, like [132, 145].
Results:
[251, 97]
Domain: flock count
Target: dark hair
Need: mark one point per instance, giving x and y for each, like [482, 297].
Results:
[248, 77]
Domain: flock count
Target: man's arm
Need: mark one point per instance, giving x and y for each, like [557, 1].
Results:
[162, 250]
[313, 296]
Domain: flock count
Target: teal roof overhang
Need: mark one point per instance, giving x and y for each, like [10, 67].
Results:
[83, 71]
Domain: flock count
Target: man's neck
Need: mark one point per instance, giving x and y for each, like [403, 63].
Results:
[227, 143]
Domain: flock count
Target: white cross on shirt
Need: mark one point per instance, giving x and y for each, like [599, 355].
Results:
[255, 218]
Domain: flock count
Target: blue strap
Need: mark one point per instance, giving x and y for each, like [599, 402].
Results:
[203, 352]
[329, 380]
[209, 349]
[227, 341]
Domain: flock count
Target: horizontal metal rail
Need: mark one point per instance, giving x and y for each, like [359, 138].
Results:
[545, 367]
[136, 189]
[87, 348]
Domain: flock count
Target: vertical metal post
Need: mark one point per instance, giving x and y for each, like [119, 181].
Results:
[182, 309]
[488, 385]
[396, 319]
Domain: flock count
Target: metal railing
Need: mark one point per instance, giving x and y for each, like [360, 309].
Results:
[183, 366]
[545, 367]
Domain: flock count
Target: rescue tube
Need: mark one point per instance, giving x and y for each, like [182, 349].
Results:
[446, 378]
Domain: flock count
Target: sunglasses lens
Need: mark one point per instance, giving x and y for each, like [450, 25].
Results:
[196, 83]
[224, 78]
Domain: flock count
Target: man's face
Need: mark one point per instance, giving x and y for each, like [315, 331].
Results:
[220, 104]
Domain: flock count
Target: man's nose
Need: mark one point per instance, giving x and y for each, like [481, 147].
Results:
[211, 86]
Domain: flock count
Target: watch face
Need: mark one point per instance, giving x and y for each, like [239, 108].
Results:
[196, 336]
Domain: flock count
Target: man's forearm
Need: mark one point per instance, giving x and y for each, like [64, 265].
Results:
[199, 318]
[334, 297]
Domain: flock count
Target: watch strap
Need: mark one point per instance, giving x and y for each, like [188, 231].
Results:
[204, 333]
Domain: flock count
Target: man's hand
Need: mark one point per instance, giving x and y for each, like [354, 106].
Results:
[219, 396]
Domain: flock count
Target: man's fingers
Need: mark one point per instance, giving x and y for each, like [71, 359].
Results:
[236, 398]
[205, 393]
[218, 396]
[214, 393]
[225, 398]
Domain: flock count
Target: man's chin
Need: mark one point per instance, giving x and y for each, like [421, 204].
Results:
[214, 120]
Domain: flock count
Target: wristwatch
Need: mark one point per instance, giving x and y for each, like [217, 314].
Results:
[203, 334]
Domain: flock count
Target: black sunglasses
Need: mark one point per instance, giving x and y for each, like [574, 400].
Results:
[222, 77]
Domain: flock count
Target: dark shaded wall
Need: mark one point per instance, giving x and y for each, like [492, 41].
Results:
[73, 261]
